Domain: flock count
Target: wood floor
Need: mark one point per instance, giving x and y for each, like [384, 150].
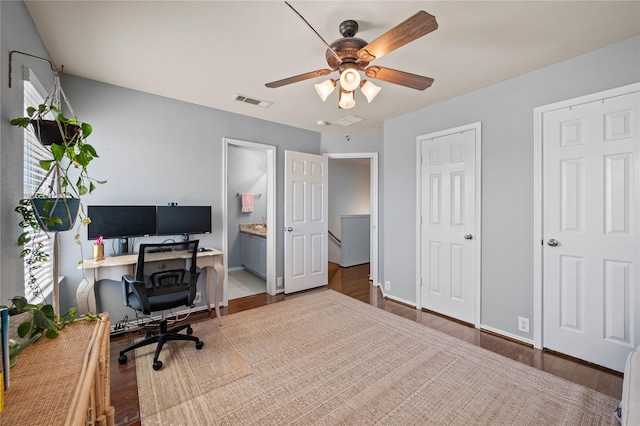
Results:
[354, 282]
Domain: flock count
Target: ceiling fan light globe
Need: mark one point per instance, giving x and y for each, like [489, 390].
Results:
[325, 88]
[347, 100]
[370, 90]
[350, 79]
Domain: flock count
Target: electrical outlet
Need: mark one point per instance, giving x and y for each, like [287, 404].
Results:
[387, 285]
[279, 283]
[198, 298]
[523, 324]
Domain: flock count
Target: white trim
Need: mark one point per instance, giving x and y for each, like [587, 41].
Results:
[538, 235]
[270, 151]
[505, 334]
[397, 299]
[477, 127]
[373, 180]
[418, 224]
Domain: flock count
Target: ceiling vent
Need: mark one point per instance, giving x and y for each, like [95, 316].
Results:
[257, 102]
[349, 120]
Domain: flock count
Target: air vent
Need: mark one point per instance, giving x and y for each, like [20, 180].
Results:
[349, 121]
[257, 102]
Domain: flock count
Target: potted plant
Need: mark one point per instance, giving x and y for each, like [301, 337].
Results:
[29, 322]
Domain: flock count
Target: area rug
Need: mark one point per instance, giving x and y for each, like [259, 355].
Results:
[325, 358]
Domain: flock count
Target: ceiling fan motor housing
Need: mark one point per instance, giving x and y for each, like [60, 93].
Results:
[347, 47]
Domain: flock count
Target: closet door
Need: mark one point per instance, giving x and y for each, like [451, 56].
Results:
[591, 237]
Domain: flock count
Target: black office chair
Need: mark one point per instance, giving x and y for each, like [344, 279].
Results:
[160, 291]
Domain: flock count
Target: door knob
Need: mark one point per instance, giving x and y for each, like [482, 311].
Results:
[552, 242]
[289, 229]
[468, 237]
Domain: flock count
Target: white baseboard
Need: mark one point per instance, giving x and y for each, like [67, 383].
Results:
[397, 299]
[505, 334]
[482, 327]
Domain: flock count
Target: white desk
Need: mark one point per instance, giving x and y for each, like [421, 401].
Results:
[111, 267]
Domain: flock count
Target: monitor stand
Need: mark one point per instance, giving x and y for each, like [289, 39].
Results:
[123, 246]
[185, 238]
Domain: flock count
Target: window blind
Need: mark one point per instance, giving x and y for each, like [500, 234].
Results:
[38, 283]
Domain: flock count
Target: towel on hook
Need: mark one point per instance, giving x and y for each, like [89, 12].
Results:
[247, 202]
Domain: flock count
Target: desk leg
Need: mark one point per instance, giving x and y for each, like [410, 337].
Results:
[219, 271]
[86, 295]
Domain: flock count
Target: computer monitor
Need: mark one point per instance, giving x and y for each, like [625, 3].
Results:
[121, 222]
[183, 220]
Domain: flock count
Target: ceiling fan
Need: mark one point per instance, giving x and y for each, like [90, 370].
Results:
[349, 55]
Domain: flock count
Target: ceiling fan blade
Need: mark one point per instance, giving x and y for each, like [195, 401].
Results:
[314, 30]
[297, 78]
[402, 78]
[415, 27]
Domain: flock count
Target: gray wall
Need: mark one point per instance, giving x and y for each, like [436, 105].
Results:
[506, 113]
[247, 172]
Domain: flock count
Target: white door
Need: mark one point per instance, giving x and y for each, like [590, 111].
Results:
[449, 240]
[305, 221]
[591, 220]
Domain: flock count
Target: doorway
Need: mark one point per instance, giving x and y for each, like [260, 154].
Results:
[372, 158]
[263, 158]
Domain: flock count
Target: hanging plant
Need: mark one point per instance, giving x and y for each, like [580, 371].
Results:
[56, 202]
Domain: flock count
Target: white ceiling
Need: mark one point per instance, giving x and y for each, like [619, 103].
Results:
[207, 52]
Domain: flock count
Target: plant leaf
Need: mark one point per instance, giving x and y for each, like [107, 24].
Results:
[24, 328]
[90, 149]
[86, 129]
[52, 220]
[24, 238]
[51, 334]
[46, 164]
[42, 320]
[22, 122]
[57, 151]
[20, 302]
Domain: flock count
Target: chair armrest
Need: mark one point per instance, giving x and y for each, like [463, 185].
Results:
[126, 281]
[131, 286]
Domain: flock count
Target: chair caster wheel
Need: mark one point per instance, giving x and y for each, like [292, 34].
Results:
[122, 359]
[157, 365]
[189, 331]
[199, 345]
